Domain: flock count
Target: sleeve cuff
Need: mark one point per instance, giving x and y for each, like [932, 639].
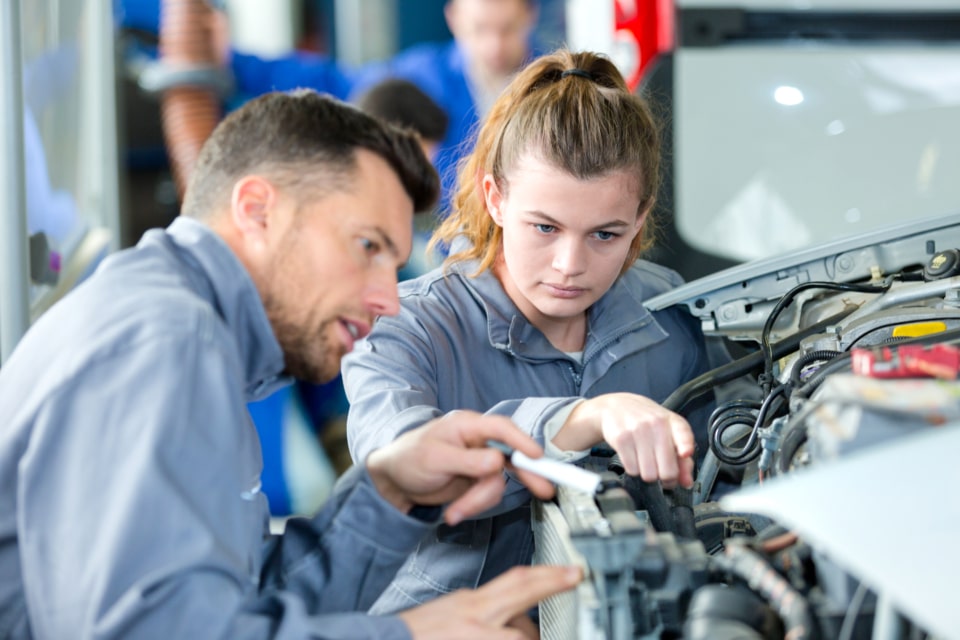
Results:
[552, 427]
[375, 519]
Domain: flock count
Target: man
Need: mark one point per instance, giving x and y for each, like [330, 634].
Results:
[491, 42]
[294, 465]
[129, 468]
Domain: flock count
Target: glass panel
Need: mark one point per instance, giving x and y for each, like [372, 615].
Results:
[69, 132]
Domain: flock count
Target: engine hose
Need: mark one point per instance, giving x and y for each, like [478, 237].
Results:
[742, 412]
[649, 497]
[806, 359]
[733, 370]
[188, 114]
[752, 449]
[813, 382]
[776, 590]
[667, 515]
[792, 441]
[684, 519]
[788, 297]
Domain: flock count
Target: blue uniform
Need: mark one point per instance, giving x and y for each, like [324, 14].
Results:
[130, 501]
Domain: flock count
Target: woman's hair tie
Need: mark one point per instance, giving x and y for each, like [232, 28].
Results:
[577, 72]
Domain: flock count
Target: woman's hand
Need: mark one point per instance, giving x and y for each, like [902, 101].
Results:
[652, 442]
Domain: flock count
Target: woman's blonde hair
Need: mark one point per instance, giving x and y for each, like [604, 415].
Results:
[573, 111]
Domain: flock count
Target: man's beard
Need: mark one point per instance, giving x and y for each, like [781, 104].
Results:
[307, 357]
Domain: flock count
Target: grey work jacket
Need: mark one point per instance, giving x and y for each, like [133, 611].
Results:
[460, 343]
[130, 469]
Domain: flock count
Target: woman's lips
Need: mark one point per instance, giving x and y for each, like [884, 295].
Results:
[564, 292]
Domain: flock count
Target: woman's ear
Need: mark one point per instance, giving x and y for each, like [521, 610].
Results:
[641, 218]
[493, 198]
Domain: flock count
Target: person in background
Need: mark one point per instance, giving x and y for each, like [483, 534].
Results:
[537, 314]
[254, 75]
[491, 42]
[130, 502]
[402, 103]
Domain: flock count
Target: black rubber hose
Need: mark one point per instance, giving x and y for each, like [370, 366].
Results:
[752, 449]
[733, 370]
[649, 496]
[787, 298]
[792, 441]
[810, 384]
[806, 359]
[684, 520]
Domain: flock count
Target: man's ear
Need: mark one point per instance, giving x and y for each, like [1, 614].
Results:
[493, 198]
[251, 206]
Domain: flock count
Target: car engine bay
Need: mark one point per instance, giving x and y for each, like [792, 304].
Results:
[821, 508]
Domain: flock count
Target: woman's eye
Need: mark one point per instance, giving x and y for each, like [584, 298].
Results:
[544, 228]
[606, 235]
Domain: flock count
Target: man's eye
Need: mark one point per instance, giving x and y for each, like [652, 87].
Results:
[544, 228]
[370, 247]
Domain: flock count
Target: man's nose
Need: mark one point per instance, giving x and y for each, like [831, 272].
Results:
[381, 295]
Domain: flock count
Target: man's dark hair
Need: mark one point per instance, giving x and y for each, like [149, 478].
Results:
[404, 104]
[306, 142]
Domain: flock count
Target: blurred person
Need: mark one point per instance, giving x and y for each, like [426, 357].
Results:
[130, 502]
[492, 39]
[491, 42]
[402, 103]
[254, 74]
[538, 312]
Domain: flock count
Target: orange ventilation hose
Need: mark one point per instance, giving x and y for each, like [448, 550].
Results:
[188, 114]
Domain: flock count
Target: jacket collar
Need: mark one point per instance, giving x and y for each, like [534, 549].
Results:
[617, 314]
[219, 276]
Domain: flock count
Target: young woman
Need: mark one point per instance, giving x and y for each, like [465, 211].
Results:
[538, 313]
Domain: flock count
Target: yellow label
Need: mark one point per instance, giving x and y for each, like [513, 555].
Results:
[919, 329]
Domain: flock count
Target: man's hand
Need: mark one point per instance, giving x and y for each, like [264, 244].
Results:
[495, 610]
[447, 460]
[653, 443]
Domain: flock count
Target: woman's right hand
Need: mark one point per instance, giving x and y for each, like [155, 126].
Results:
[652, 442]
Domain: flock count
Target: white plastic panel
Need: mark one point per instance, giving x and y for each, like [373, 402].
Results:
[784, 146]
[888, 515]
